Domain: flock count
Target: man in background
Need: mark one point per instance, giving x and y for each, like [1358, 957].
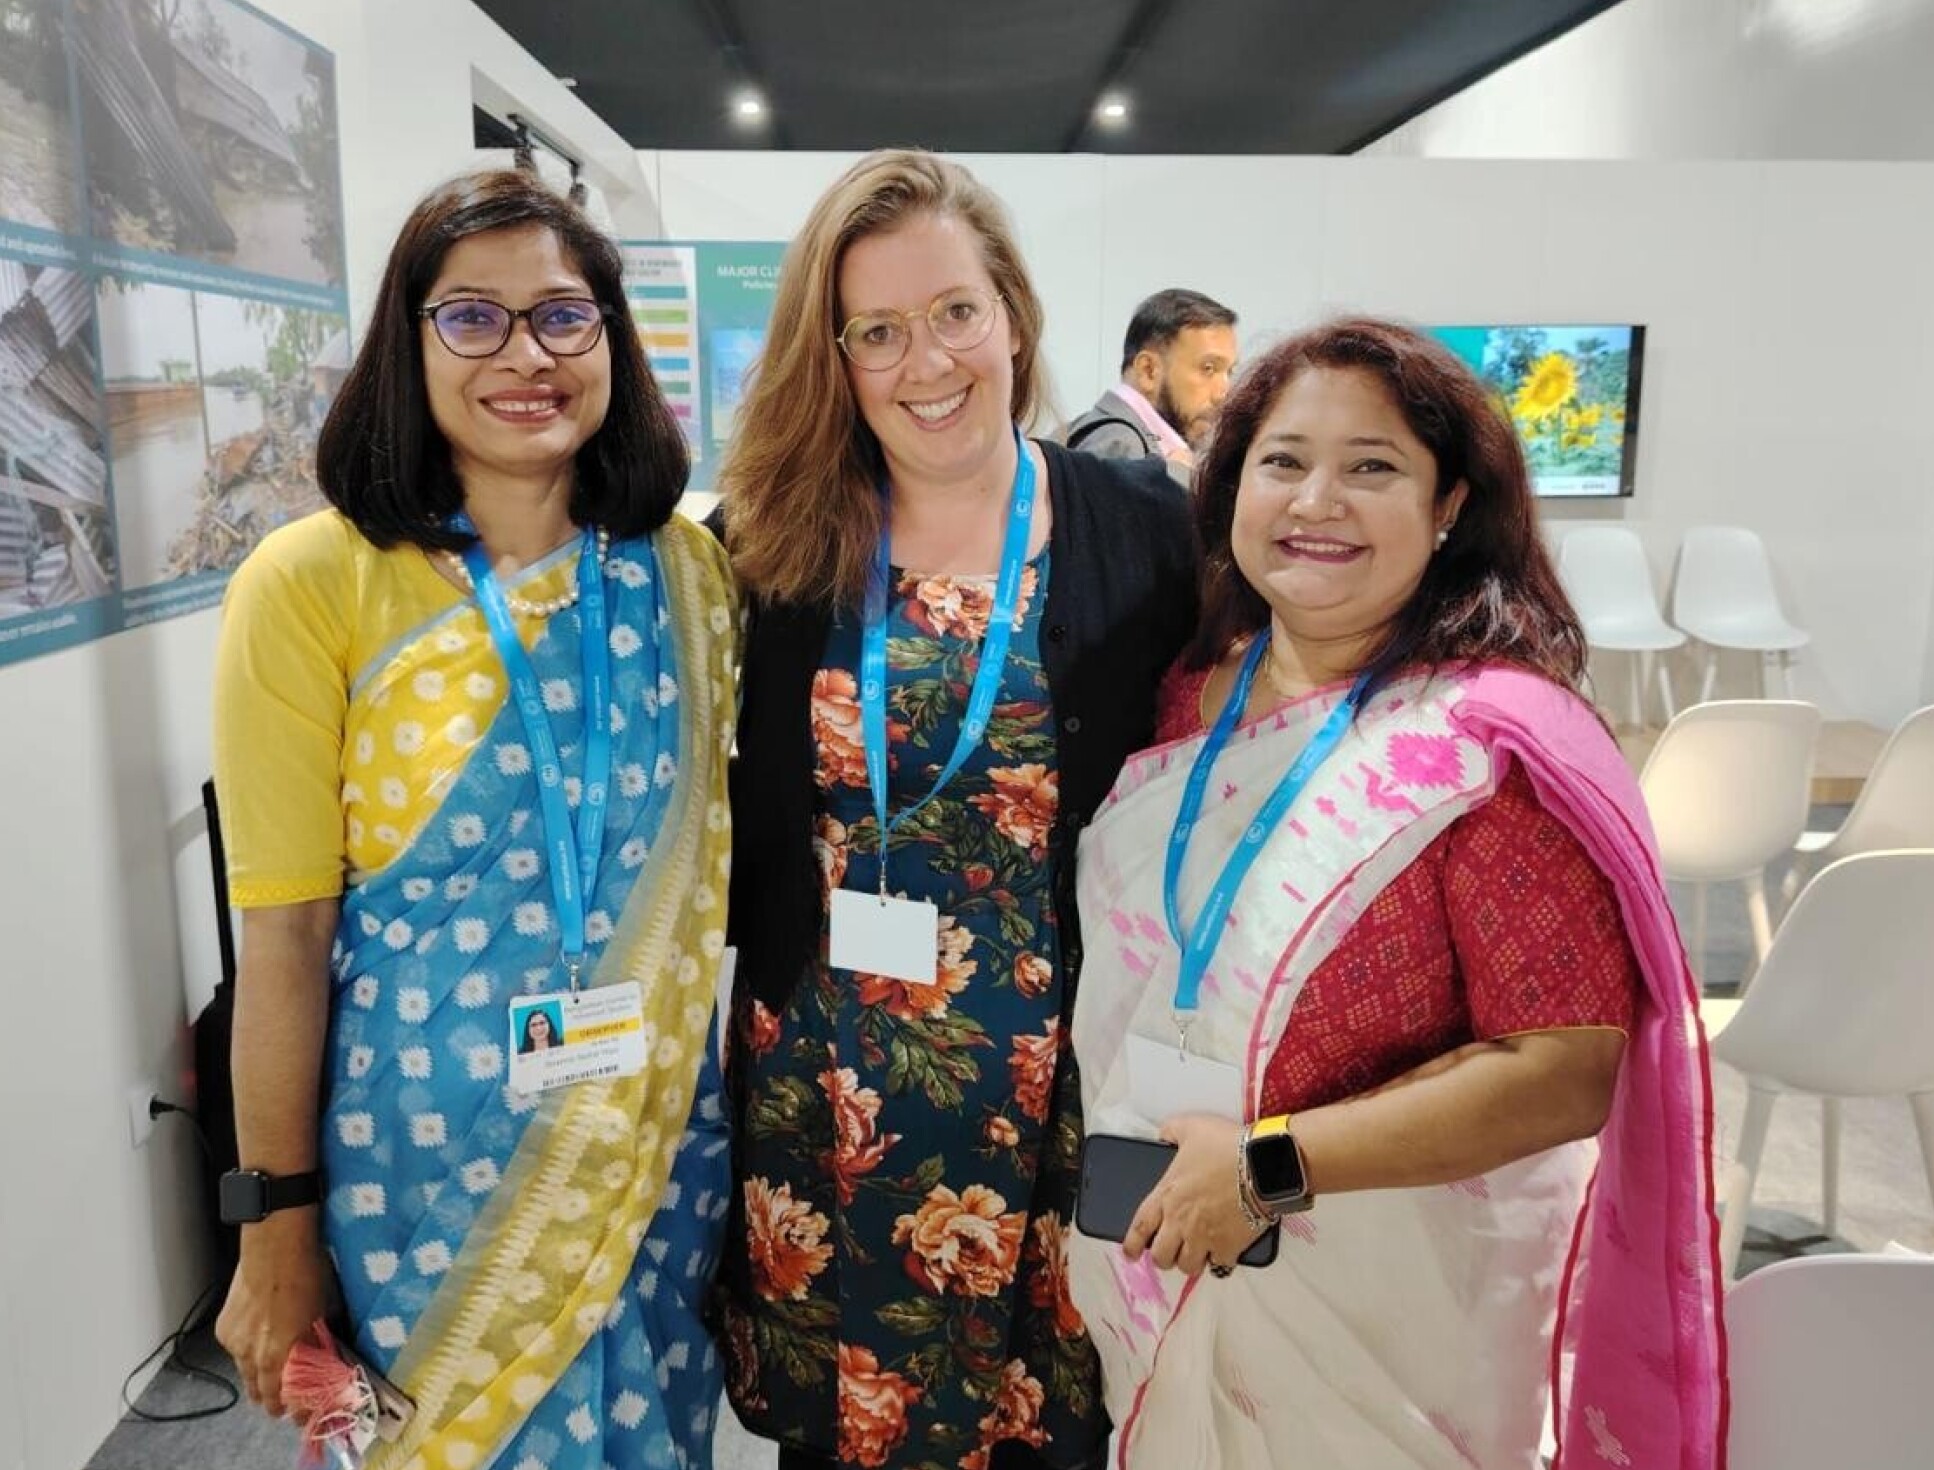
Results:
[1175, 364]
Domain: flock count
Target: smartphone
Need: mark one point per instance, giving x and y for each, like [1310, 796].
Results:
[1117, 1174]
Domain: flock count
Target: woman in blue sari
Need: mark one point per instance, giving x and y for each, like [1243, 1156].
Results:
[471, 734]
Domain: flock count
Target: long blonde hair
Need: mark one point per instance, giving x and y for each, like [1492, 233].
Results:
[800, 479]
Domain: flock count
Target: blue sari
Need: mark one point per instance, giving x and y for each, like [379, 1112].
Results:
[531, 1268]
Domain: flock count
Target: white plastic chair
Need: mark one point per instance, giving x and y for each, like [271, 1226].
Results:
[1609, 582]
[1895, 807]
[1828, 1360]
[1728, 787]
[1724, 597]
[1843, 1007]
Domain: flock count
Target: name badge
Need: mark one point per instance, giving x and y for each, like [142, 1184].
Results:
[895, 937]
[587, 1036]
[1165, 1082]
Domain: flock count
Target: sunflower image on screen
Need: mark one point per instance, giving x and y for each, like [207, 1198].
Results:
[1570, 392]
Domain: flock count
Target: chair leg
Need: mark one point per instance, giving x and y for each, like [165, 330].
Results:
[1830, 1164]
[1665, 690]
[1786, 672]
[1923, 1105]
[1756, 910]
[1635, 666]
[1710, 676]
[1735, 1188]
[1752, 1133]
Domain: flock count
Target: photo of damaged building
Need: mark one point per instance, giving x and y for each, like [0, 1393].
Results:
[56, 538]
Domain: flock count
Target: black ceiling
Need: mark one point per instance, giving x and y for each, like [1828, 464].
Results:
[1024, 76]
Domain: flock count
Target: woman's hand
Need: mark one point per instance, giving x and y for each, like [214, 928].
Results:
[280, 1288]
[1192, 1218]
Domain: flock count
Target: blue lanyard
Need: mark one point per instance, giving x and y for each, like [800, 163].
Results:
[574, 848]
[1200, 944]
[993, 653]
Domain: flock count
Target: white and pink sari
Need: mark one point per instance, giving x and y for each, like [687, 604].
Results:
[1404, 1329]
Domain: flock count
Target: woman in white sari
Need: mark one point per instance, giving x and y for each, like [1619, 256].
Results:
[1380, 929]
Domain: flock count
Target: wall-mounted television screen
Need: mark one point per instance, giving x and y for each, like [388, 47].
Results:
[1572, 393]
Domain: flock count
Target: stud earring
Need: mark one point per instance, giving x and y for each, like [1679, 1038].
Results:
[1443, 535]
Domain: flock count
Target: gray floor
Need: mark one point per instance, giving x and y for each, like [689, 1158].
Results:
[1884, 1200]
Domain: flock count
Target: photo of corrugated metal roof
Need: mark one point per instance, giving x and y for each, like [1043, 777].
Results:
[56, 538]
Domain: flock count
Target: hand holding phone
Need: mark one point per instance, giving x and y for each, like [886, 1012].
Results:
[1118, 1173]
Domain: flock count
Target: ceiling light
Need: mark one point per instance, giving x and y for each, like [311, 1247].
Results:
[749, 106]
[1112, 110]
[567, 81]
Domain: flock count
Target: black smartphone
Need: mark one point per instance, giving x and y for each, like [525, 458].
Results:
[1117, 1174]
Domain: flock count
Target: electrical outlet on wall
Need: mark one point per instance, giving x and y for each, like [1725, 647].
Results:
[140, 1120]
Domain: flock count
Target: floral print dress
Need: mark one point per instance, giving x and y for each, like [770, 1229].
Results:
[909, 1151]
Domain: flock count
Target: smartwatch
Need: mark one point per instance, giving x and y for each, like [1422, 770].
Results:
[249, 1195]
[1275, 1164]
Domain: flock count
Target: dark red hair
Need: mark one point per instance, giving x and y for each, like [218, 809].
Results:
[1489, 595]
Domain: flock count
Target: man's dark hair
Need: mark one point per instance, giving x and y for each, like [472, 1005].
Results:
[380, 458]
[1160, 319]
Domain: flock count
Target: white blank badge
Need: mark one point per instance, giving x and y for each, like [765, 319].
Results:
[895, 937]
[1164, 1082]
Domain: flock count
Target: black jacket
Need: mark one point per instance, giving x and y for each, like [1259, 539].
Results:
[1121, 604]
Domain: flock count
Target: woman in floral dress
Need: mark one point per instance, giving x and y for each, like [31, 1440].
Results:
[906, 1135]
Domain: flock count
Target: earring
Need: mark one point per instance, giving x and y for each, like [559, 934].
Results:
[1443, 535]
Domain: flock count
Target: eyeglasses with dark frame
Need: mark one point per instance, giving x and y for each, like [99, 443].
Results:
[960, 318]
[474, 326]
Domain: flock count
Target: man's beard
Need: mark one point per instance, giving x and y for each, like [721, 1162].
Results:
[1165, 406]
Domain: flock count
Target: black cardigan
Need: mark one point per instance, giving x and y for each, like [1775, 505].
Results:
[1121, 604]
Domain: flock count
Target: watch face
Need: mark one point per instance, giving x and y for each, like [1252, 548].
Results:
[244, 1197]
[1276, 1168]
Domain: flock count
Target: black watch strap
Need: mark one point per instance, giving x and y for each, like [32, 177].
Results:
[249, 1195]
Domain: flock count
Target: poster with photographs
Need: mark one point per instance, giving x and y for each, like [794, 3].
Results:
[173, 322]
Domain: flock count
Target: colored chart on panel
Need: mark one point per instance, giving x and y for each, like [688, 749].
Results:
[702, 307]
[661, 282]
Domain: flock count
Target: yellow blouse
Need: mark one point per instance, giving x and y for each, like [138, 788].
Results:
[351, 683]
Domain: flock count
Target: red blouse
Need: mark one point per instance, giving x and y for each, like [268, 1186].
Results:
[1500, 926]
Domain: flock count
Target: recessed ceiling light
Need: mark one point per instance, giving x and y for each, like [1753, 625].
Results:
[1112, 109]
[749, 105]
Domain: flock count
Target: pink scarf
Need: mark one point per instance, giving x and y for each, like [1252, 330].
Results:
[1641, 1302]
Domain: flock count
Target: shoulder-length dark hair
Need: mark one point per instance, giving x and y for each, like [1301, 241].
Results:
[382, 461]
[1490, 594]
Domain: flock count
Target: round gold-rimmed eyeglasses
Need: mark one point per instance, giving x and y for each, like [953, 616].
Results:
[960, 318]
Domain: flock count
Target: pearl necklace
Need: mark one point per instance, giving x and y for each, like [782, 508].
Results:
[523, 607]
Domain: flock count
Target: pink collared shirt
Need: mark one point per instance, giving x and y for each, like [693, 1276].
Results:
[1160, 427]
